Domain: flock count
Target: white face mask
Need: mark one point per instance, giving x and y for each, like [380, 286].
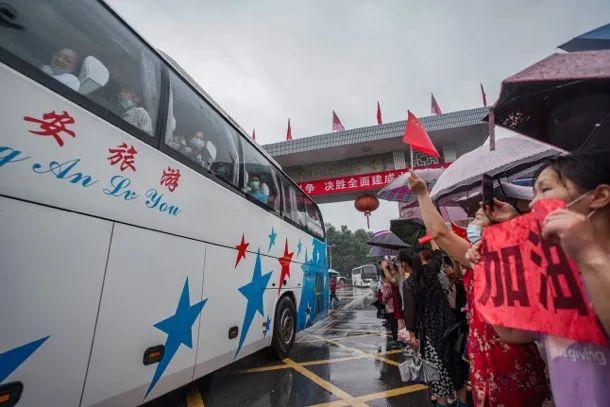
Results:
[578, 199]
[255, 184]
[197, 142]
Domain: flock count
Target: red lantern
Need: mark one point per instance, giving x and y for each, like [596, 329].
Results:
[366, 203]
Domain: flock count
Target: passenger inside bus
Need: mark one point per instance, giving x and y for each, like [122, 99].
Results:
[132, 112]
[258, 190]
[62, 67]
[202, 151]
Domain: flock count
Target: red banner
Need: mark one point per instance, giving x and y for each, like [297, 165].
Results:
[351, 183]
[529, 283]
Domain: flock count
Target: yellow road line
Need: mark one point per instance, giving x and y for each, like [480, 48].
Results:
[344, 337]
[325, 384]
[356, 350]
[323, 361]
[399, 391]
[193, 397]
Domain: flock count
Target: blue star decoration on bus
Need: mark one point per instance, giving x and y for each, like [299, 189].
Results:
[272, 237]
[312, 267]
[267, 326]
[178, 328]
[13, 358]
[254, 292]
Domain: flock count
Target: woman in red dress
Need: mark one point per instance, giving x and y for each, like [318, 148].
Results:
[501, 374]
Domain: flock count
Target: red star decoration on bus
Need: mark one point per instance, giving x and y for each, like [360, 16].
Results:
[285, 263]
[241, 254]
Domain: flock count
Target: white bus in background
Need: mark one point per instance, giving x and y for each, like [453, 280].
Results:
[145, 239]
[364, 276]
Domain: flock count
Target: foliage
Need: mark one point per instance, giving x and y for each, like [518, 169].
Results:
[348, 248]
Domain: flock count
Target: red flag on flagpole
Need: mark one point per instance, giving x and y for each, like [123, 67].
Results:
[416, 136]
[379, 121]
[434, 107]
[337, 126]
[484, 96]
[289, 132]
[254, 134]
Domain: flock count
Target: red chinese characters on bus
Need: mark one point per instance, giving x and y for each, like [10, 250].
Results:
[170, 178]
[526, 282]
[123, 154]
[53, 124]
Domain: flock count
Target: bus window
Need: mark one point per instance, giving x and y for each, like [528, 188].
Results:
[314, 219]
[261, 180]
[82, 46]
[200, 134]
[290, 200]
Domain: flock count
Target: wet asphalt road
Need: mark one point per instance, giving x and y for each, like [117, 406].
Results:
[342, 361]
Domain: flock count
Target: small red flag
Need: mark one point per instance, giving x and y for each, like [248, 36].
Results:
[484, 96]
[289, 132]
[254, 134]
[416, 136]
[434, 107]
[337, 126]
[379, 121]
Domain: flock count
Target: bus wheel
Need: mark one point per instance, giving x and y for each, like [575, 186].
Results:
[284, 327]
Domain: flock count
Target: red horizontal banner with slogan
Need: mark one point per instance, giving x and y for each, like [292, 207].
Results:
[529, 283]
[352, 183]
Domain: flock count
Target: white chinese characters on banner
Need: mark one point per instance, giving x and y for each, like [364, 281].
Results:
[309, 188]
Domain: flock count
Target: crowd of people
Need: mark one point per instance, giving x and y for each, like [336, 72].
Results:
[429, 305]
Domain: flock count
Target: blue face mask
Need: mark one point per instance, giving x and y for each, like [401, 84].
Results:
[474, 232]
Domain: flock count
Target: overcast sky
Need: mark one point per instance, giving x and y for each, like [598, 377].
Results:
[265, 61]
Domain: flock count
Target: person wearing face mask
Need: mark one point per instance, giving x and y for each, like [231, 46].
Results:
[199, 151]
[500, 373]
[257, 190]
[133, 114]
[62, 67]
[579, 371]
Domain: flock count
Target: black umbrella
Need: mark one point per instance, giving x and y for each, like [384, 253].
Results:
[562, 100]
[589, 41]
[387, 240]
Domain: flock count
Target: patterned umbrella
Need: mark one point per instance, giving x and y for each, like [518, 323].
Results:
[398, 190]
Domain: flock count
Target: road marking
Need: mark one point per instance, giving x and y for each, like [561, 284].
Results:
[356, 350]
[193, 397]
[399, 391]
[318, 362]
[345, 337]
[325, 384]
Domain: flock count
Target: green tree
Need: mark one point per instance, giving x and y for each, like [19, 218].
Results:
[348, 249]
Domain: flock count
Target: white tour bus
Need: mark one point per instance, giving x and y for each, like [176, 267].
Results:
[146, 240]
[364, 276]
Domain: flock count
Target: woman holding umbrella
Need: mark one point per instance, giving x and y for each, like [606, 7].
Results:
[500, 373]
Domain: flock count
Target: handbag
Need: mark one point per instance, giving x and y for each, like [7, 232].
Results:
[411, 368]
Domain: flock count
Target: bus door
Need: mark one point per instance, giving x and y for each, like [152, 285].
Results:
[148, 323]
[51, 279]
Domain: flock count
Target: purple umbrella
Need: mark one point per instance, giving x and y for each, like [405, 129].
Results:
[398, 190]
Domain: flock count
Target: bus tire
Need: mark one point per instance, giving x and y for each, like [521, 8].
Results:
[284, 327]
